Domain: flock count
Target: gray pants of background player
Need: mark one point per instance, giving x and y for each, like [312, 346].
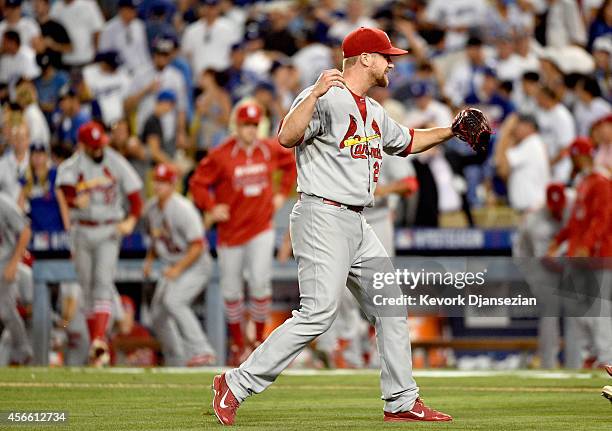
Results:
[95, 255]
[331, 245]
[254, 258]
[593, 329]
[12, 321]
[175, 323]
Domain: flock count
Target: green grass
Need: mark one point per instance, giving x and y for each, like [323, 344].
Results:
[116, 400]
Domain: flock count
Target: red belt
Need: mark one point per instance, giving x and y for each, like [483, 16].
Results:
[96, 223]
[355, 208]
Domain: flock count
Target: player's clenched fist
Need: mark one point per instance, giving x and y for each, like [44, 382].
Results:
[328, 79]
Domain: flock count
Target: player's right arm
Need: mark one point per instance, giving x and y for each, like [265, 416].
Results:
[296, 122]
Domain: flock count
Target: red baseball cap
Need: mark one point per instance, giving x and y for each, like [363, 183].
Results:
[366, 39]
[92, 134]
[249, 113]
[128, 303]
[165, 172]
[555, 197]
[582, 146]
[602, 120]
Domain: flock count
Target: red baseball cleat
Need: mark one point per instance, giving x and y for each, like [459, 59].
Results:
[606, 392]
[608, 369]
[419, 412]
[203, 360]
[224, 402]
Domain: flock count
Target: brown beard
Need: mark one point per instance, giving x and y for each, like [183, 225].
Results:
[382, 80]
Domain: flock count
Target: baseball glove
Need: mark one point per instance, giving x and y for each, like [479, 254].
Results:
[471, 125]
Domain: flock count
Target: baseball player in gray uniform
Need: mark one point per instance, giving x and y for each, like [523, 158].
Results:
[95, 182]
[72, 320]
[177, 238]
[534, 235]
[339, 135]
[24, 295]
[15, 234]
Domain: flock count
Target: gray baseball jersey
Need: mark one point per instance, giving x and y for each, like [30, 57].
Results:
[173, 227]
[12, 222]
[340, 157]
[108, 183]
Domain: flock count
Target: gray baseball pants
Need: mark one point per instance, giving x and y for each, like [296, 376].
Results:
[253, 258]
[334, 248]
[95, 255]
[176, 325]
[12, 321]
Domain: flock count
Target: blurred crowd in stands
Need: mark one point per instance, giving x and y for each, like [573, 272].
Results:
[164, 77]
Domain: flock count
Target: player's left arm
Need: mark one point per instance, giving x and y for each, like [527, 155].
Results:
[401, 141]
[424, 139]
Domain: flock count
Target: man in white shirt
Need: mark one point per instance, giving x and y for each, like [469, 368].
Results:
[456, 17]
[108, 84]
[17, 60]
[467, 76]
[83, 21]
[590, 106]
[521, 159]
[125, 33]
[355, 18]
[207, 42]
[147, 83]
[558, 131]
[564, 25]
[427, 112]
[312, 59]
[27, 28]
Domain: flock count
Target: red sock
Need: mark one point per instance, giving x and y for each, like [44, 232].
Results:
[235, 330]
[90, 324]
[259, 308]
[101, 316]
[234, 311]
[260, 328]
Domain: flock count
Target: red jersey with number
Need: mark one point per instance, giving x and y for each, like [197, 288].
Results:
[242, 177]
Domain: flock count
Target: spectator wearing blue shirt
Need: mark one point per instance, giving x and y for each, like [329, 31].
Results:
[69, 117]
[48, 85]
[602, 24]
[240, 82]
[37, 195]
